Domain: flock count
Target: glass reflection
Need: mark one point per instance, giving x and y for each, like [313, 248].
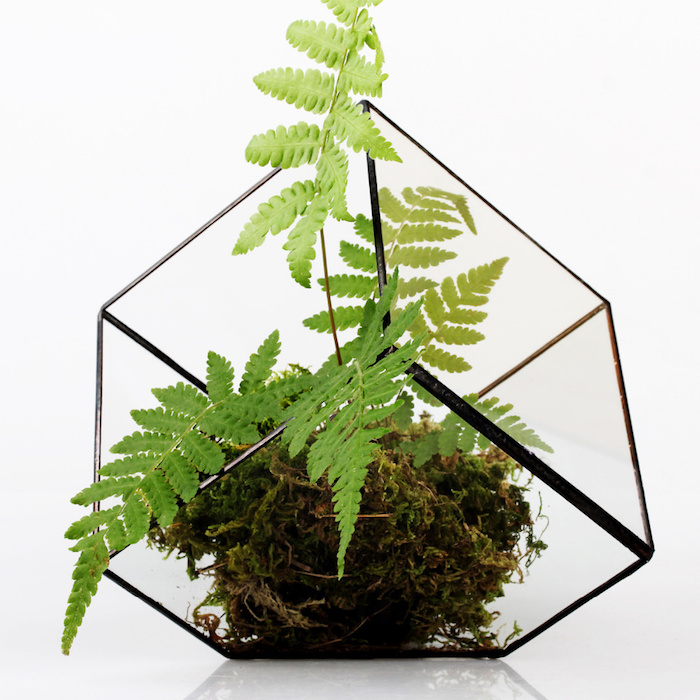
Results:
[477, 679]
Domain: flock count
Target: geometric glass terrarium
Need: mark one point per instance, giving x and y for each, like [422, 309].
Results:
[547, 346]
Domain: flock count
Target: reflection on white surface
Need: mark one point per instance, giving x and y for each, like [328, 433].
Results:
[477, 679]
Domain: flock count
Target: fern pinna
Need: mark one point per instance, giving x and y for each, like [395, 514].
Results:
[187, 437]
[340, 49]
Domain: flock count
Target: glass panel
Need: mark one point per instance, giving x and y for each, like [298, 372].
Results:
[204, 298]
[571, 397]
[534, 299]
[277, 587]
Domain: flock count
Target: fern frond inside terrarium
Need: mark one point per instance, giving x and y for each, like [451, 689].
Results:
[348, 404]
[162, 465]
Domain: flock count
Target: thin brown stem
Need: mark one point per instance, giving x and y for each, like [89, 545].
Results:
[326, 283]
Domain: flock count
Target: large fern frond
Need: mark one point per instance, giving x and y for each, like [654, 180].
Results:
[342, 401]
[165, 462]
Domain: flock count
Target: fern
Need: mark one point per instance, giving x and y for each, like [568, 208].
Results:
[164, 464]
[275, 215]
[350, 401]
[311, 90]
[339, 49]
[286, 148]
[456, 433]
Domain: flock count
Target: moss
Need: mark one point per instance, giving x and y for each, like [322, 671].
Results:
[433, 548]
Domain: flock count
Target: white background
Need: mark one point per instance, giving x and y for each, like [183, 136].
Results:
[122, 128]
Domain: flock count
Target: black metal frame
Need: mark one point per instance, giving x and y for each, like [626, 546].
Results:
[642, 549]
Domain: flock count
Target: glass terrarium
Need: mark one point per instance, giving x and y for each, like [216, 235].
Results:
[509, 499]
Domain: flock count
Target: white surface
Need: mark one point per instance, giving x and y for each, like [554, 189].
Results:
[123, 126]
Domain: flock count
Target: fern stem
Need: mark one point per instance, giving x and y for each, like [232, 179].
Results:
[328, 298]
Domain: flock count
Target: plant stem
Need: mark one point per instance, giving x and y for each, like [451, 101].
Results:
[328, 298]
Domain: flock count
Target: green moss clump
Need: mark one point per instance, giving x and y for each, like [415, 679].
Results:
[434, 545]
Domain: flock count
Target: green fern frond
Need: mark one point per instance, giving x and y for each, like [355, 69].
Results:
[347, 122]
[459, 201]
[353, 286]
[345, 317]
[446, 361]
[510, 424]
[346, 10]
[372, 40]
[403, 413]
[414, 286]
[203, 452]
[478, 282]
[421, 257]
[392, 207]
[137, 518]
[92, 563]
[219, 378]
[160, 497]
[258, 369]
[434, 307]
[275, 215]
[361, 77]
[324, 43]
[161, 420]
[311, 90]
[358, 257]
[428, 232]
[419, 216]
[286, 148]
[422, 449]
[181, 475]
[182, 398]
[465, 317]
[164, 465]
[142, 442]
[302, 239]
[90, 522]
[416, 199]
[133, 464]
[364, 228]
[344, 449]
[458, 335]
[332, 180]
[106, 488]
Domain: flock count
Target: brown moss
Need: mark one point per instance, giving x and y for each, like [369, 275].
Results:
[432, 549]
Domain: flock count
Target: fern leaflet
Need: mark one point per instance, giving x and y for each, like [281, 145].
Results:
[311, 90]
[349, 123]
[286, 148]
[275, 215]
[302, 238]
